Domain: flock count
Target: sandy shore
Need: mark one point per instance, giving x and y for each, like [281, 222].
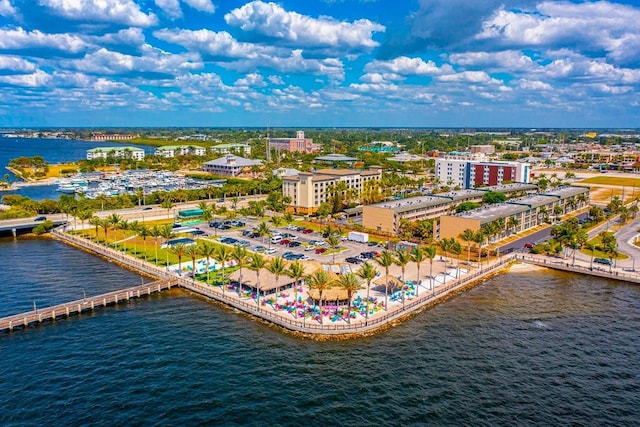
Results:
[521, 267]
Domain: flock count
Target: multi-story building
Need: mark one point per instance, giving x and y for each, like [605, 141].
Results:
[99, 136]
[484, 149]
[298, 144]
[230, 165]
[386, 216]
[519, 214]
[244, 149]
[123, 152]
[308, 190]
[468, 173]
[180, 150]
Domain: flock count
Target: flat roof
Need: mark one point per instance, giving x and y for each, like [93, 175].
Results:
[336, 158]
[490, 213]
[403, 205]
[569, 191]
[534, 201]
[121, 148]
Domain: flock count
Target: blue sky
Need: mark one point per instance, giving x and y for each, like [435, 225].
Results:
[320, 63]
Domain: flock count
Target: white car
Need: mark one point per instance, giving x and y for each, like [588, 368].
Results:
[309, 248]
[292, 227]
[270, 251]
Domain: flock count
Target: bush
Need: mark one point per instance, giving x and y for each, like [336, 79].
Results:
[43, 227]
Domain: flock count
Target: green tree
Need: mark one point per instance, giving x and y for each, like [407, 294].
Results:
[418, 256]
[257, 263]
[321, 281]
[240, 254]
[386, 260]
[351, 283]
[297, 273]
[208, 250]
[492, 197]
[468, 236]
[334, 244]
[179, 250]
[367, 272]
[193, 252]
[223, 255]
[403, 257]
[276, 267]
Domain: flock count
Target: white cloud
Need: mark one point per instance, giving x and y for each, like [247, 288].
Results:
[7, 9]
[37, 79]
[128, 36]
[170, 7]
[16, 64]
[201, 5]
[534, 85]
[115, 11]
[251, 80]
[216, 44]
[588, 27]
[470, 77]
[276, 80]
[19, 39]
[406, 66]
[296, 30]
[508, 60]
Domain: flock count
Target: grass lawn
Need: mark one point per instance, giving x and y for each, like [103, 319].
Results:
[611, 180]
[598, 253]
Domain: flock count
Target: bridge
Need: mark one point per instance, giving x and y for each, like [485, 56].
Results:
[15, 227]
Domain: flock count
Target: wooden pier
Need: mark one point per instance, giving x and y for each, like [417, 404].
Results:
[90, 303]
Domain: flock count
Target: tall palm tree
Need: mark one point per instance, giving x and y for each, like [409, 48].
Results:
[479, 238]
[167, 204]
[95, 221]
[276, 267]
[351, 283]
[334, 244]
[263, 230]
[223, 256]
[456, 249]
[105, 224]
[418, 256]
[446, 245]
[257, 263]
[321, 281]
[431, 251]
[83, 215]
[591, 247]
[179, 250]
[297, 273]
[166, 232]
[144, 232]
[467, 236]
[367, 272]
[386, 260]
[156, 234]
[403, 257]
[193, 252]
[208, 250]
[240, 254]
[276, 220]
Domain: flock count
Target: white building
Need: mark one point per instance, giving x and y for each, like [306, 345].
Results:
[244, 149]
[123, 152]
[468, 173]
[230, 165]
[180, 150]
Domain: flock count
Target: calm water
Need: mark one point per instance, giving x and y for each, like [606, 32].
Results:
[52, 150]
[520, 349]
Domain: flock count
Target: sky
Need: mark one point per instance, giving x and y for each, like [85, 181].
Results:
[320, 63]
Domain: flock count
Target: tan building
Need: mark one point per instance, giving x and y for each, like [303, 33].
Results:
[298, 144]
[308, 190]
[518, 214]
[484, 149]
[386, 216]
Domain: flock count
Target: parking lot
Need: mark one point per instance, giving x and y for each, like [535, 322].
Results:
[291, 242]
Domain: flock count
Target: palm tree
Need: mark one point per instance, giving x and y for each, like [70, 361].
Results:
[351, 283]
[257, 263]
[223, 255]
[95, 221]
[105, 224]
[263, 230]
[591, 247]
[83, 215]
[167, 204]
[417, 256]
[479, 238]
[192, 251]
[403, 257]
[155, 233]
[467, 235]
[179, 250]
[334, 244]
[276, 267]
[456, 249]
[239, 254]
[446, 244]
[144, 232]
[296, 272]
[386, 260]
[367, 272]
[166, 232]
[320, 280]
[208, 250]
[276, 220]
[115, 221]
[431, 251]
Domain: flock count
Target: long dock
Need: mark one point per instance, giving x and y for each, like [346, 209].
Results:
[568, 266]
[68, 309]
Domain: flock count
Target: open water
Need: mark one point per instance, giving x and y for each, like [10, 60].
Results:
[524, 348]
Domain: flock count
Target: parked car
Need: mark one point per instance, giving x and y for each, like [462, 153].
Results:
[368, 255]
[320, 250]
[40, 218]
[528, 245]
[307, 231]
[147, 208]
[604, 261]
[353, 260]
[284, 241]
[270, 251]
[309, 248]
[259, 248]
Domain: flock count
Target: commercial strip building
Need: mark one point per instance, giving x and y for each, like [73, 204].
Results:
[230, 165]
[308, 190]
[518, 214]
[468, 173]
[299, 144]
[386, 216]
[99, 136]
[122, 152]
[180, 150]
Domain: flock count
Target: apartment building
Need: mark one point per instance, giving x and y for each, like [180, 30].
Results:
[122, 152]
[298, 144]
[308, 190]
[169, 151]
[230, 165]
[244, 149]
[468, 173]
[386, 216]
[519, 214]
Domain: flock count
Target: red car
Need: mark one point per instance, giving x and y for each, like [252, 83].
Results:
[528, 245]
[285, 241]
[320, 250]
[307, 231]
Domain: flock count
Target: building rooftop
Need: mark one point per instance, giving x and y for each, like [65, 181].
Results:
[490, 213]
[177, 147]
[567, 191]
[231, 160]
[335, 158]
[411, 203]
[230, 145]
[119, 148]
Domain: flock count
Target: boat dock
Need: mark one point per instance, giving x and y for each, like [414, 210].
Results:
[40, 315]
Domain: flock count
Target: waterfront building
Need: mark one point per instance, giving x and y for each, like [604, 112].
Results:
[237, 148]
[230, 165]
[122, 152]
[99, 136]
[307, 190]
[518, 214]
[465, 172]
[299, 144]
[386, 216]
[180, 150]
